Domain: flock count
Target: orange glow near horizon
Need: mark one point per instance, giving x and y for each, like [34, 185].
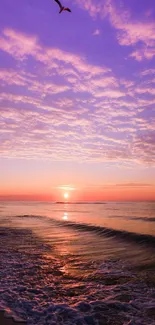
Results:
[122, 192]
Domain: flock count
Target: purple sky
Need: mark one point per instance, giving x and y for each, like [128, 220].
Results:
[77, 95]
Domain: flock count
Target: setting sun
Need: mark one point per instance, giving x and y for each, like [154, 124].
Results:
[66, 195]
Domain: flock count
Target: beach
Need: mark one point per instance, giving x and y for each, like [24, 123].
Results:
[58, 270]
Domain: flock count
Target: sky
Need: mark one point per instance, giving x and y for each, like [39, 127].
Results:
[77, 100]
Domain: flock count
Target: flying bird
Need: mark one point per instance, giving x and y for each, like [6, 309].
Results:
[61, 7]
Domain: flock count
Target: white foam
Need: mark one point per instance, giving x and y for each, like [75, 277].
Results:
[35, 289]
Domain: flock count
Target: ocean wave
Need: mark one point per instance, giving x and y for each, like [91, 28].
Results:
[109, 232]
[147, 219]
[34, 289]
[136, 218]
[100, 230]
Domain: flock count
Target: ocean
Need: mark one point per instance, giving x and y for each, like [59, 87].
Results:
[78, 264]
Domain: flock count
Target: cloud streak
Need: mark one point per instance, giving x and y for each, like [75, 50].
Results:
[69, 105]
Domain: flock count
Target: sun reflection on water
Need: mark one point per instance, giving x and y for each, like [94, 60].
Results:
[65, 216]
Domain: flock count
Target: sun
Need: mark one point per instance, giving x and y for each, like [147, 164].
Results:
[66, 195]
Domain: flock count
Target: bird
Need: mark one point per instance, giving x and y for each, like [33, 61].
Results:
[61, 7]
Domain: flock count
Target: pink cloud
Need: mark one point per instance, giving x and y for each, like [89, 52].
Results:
[79, 74]
[143, 53]
[129, 31]
[148, 72]
[144, 145]
[142, 90]
[11, 77]
[53, 119]
[93, 8]
[62, 130]
[96, 32]
[20, 46]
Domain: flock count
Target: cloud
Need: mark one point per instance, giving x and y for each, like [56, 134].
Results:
[130, 32]
[96, 32]
[144, 89]
[134, 185]
[66, 187]
[144, 144]
[148, 72]
[143, 53]
[69, 109]
[75, 72]
[65, 137]
[11, 77]
[21, 46]
[112, 185]
[94, 8]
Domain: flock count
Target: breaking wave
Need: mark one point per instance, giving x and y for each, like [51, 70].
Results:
[35, 288]
[101, 231]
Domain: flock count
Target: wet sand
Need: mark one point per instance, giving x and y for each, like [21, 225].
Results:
[9, 321]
